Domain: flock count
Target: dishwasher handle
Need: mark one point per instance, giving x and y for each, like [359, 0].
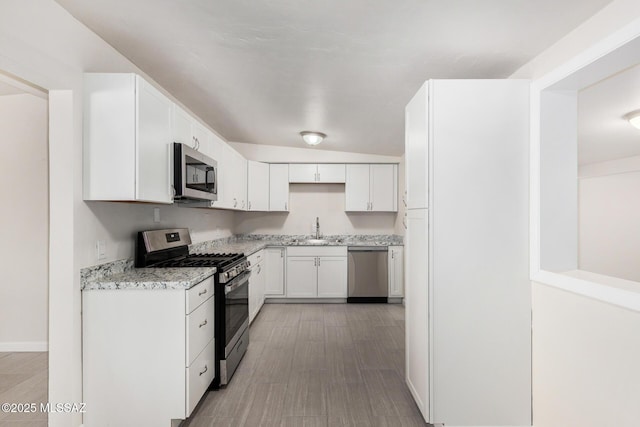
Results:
[367, 248]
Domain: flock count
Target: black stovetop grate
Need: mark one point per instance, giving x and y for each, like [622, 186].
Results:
[221, 261]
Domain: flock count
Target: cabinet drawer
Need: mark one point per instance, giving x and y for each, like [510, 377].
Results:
[200, 329]
[256, 258]
[199, 294]
[317, 251]
[199, 376]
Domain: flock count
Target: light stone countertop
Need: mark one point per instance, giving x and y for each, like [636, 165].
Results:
[151, 279]
[122, 275]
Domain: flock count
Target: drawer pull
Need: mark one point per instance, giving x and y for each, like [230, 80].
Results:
[203, 323]
[202, 293]
[205, 370]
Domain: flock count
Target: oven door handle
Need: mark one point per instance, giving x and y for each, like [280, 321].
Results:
[239, 281]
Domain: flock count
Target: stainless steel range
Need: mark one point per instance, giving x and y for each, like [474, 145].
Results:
[170, 248]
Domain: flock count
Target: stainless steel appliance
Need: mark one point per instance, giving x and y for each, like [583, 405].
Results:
[195, 176]
[368, 274]
[169, 248]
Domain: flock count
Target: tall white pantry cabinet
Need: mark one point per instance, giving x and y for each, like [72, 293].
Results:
[468, 303]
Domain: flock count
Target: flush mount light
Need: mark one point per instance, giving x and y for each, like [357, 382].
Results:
[634, 118]
[312, 138]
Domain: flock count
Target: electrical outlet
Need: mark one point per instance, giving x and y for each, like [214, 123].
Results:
[156, 214]
[101, 249]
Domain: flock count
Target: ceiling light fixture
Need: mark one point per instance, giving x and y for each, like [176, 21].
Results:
[634, 118]
[312, 138]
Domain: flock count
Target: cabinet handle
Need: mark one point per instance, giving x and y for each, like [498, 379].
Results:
[235, 202]
[205, 370]
[202, 293]
[281, 253]
[249, 205]
[371, 206]
[285, 206]
[318, 176]
[259, 269]
[203, 323]
[318, 262]
[315, 262]
[404, 222]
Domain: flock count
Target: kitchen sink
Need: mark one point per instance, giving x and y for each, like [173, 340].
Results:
[316, 241]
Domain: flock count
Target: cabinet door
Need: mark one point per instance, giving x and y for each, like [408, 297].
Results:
[181, 126]
[274, 271]
[279, 187]
[417, 354]
[257, 186]
[303, 172]
[417, 149]
[396, 271]
[332, 277]
[154, 112]
[383, 183]
[357, 188]
[256, 290]
[225, 182]
[200, 138]
[331, 173]
[302, 277]
[236, 178]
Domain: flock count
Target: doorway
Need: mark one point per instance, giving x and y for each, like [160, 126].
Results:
[24, 290]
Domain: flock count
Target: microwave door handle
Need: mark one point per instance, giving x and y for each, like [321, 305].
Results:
[215, 180]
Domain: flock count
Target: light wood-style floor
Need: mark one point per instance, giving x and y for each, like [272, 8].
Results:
[318, 365]
[23, 379]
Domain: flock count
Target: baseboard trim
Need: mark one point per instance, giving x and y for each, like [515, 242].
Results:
[24, 346]
[305, 300]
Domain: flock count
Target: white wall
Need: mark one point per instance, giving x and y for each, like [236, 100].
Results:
[585, 361]
[585, 352]
[24, 217]
[326, 201]
[609, 218]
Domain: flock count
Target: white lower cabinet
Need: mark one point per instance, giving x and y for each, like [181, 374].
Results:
[396, 271]
[332, 277]
[302, 276]
[148, 355]
[274, 272]
[257, 282]
[317, 272]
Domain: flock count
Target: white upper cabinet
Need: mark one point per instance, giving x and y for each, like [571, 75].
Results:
[299, 172]
[357, 188]
[372, 188]
[181, 123]
[331, 173]
[316, 173]
[239, 180]
[417, 149]
[187, 130]
[279, 187]
[127, 122]
[257, 186]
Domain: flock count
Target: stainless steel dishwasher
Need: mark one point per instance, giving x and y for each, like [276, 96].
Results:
[368, 274]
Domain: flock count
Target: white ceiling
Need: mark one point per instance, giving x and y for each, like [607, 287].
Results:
[260, 71]
[603, 132]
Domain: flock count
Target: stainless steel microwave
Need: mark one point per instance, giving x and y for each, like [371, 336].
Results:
[195, 175]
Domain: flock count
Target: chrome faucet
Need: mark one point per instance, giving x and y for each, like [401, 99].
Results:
[317, 227]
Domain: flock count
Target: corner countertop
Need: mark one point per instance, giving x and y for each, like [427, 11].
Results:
[121, 274]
